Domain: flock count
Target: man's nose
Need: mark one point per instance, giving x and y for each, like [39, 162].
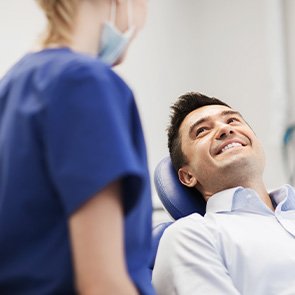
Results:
[223, 131]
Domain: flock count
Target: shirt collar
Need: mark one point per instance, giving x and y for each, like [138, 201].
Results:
[284, 197]
[233, 198]
[222, 201]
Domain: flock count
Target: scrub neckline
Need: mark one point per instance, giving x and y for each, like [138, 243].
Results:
[48, 49]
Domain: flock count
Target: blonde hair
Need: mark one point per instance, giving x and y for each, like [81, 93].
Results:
[60, 16]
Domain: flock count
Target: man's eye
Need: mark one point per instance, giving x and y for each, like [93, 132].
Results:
[200, 130]
[231, 120]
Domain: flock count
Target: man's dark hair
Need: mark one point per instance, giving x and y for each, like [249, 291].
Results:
[184, 105]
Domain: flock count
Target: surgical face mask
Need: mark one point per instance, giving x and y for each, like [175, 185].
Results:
[113, 43]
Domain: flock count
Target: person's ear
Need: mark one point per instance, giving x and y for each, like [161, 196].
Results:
[186, 177]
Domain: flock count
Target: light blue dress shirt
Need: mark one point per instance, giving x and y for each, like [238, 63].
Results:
[239, 247]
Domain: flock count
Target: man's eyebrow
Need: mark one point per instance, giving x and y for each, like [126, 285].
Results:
[205, 119]
[231, 112]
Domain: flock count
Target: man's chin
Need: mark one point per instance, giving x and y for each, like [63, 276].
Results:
[234, 161]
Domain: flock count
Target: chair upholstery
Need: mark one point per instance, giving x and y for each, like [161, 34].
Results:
[178, 200]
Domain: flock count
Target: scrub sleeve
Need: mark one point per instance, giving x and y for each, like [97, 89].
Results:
[87, 138]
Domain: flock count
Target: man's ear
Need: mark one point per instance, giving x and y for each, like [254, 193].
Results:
[186, 177]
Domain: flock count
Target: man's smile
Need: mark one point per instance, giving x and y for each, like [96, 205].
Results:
[230, 144]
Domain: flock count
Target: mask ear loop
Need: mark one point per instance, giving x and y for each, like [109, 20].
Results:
[113, 12]
[129, 14]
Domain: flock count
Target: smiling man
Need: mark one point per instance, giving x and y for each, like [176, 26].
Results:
[245, 243]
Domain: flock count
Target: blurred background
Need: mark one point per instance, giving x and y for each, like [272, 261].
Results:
[241, 51]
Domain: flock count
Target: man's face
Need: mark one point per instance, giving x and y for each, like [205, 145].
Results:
[221, 149]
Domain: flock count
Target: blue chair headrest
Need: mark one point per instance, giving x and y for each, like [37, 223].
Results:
[177, 199]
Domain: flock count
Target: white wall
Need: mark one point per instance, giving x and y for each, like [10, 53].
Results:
[233, 50]
[290, 34]
[240, 51]
[20, 24]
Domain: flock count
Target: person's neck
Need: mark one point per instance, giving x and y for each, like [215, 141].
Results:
[87, 31]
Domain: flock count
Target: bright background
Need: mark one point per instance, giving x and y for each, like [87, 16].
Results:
[241, 51]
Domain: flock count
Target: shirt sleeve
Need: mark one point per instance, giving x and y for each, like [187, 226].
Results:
[87, 137]
[188, 262]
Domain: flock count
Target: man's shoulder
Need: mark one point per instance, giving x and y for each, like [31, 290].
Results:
[187, 220]
[191, 227]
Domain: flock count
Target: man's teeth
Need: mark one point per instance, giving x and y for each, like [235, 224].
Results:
[231, 145]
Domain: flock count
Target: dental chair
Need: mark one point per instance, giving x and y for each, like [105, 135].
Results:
[177, 200]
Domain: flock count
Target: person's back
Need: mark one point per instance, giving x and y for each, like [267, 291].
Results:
[75, 206]
[34, 239]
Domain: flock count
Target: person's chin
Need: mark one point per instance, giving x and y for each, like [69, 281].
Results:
[233, 158]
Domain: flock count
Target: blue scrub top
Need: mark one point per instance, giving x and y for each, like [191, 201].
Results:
[69, 126]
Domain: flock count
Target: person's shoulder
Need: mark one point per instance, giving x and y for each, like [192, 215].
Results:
[62, 64]
[81, 65]
[193, 224]
[85, 65]
[62, 73]
[187, 221]
[187, 233]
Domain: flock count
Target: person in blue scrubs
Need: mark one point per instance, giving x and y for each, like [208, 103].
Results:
[75, 201]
